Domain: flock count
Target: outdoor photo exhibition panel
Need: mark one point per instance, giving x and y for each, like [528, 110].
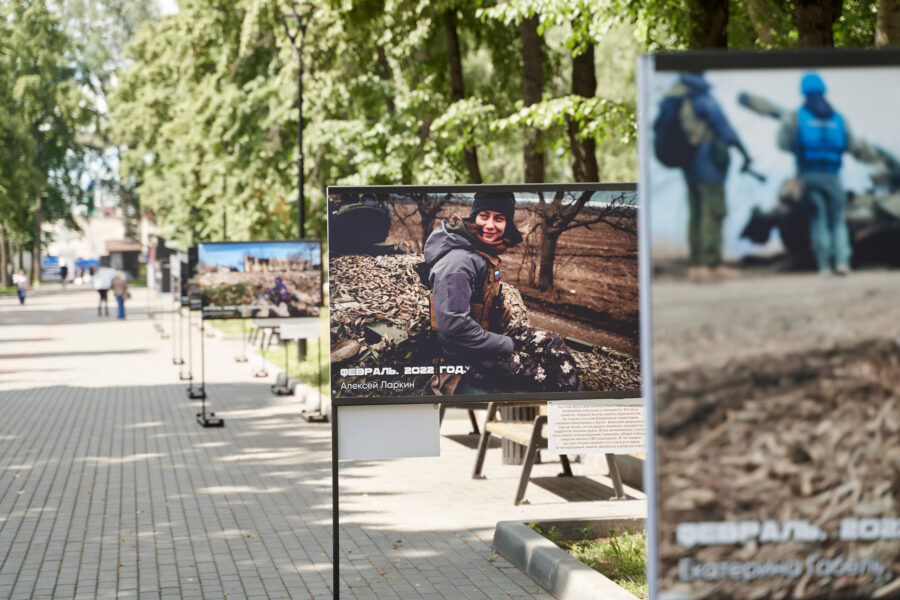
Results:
[260, 280]
[268, 280]
[771, 233]
[474, 293]
[427, 302]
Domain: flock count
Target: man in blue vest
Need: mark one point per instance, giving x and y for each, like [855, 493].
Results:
[818, 136]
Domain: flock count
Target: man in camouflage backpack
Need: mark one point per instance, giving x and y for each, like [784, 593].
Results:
[692, 133]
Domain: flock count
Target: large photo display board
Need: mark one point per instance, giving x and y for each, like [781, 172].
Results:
[772, 229]
[259, 280]
[477, 292]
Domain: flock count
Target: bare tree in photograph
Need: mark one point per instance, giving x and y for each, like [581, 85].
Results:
[421, 222]
[566, 211]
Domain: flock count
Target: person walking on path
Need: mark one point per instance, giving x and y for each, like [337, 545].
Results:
[103, 280]
[692, 133]
[20, 280]
[818, 136]
[120, 289]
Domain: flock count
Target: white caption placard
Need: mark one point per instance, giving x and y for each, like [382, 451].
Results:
[307, 328]
[388, 431]
[596, 426]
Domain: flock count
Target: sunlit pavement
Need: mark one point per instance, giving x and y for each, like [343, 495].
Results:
[109, 488]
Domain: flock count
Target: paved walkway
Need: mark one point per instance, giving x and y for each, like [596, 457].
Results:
[108, 487]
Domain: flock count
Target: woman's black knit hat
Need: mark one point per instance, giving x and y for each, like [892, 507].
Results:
[505, 204]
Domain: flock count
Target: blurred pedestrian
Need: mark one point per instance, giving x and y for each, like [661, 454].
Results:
[693, 134]
[20, 280]
[818, 136]
[64, 273]
[102, 281]
[120, 289]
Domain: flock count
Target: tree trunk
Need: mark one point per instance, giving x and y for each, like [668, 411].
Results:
[4, 257]
[887, 26]
[388, 75]
[815, 21]
[532, 84]
[548, 255]
[36, 251]
[584, 152]
[709, 20]
[760, 18]
[458, 88]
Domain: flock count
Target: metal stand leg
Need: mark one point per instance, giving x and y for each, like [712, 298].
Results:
[204, 419]
[262, 372]
[181, 375]
[242, 358]
[484, 442]
[159, 327]
[567, 468]
[529, 458]
[282, 385]
[316, 415]
[174, 340]
[199, 393]
[474, 422]
[335, 509]
[616, 477]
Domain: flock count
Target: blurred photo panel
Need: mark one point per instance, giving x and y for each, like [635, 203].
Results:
[772, 337]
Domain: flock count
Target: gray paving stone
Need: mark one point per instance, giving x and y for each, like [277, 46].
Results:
[125, 496]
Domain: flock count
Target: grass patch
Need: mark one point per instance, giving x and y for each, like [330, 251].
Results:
[231, 326]
[7, 290]
[620, 557]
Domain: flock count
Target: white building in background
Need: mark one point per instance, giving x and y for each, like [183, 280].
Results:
[90, 242]
[105, 225]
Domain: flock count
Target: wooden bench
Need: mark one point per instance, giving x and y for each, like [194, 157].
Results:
[469, 406]
[532, 435]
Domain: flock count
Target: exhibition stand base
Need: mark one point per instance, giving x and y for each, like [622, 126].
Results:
[313, 416]
[282, 385]
[193, 394]
[210, 420]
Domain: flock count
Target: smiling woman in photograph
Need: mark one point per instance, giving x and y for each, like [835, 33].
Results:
[463, 258]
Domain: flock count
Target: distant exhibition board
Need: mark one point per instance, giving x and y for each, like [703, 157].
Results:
[259, 280]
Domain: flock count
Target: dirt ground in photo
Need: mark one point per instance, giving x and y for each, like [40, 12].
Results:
[779, 399]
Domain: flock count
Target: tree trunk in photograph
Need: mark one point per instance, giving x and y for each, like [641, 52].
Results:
[709, 20]
[584, 152]
[532, 84]
[887, 26]
[458, 88]
[549, 240]
[4, 254]
[36, 251]
[815, 22]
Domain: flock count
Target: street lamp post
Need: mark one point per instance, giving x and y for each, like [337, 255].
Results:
[295, 24]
